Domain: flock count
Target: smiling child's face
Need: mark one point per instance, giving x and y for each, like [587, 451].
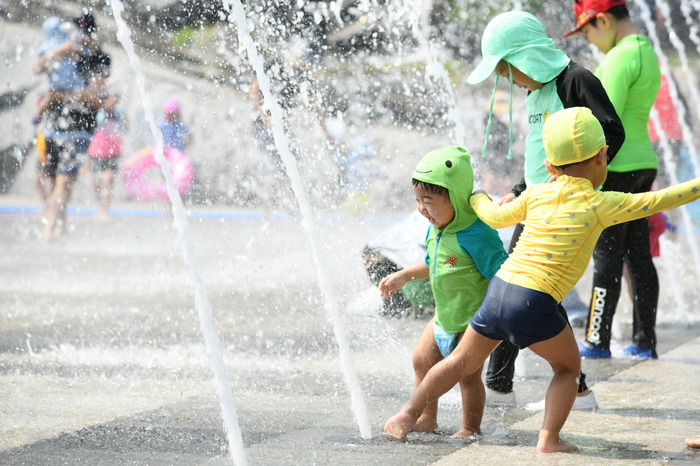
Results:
[520, 79]
[435, 207]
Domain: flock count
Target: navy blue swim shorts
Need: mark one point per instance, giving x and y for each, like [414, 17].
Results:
[521, 315]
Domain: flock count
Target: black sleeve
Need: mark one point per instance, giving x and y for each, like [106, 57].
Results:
[578, 87]
[519, 188]
[97, 63]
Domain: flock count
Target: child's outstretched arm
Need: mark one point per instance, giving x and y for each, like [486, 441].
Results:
[495, 215]
[394, 282]
[625, 207]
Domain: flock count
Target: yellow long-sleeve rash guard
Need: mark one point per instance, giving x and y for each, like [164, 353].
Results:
[563, 221]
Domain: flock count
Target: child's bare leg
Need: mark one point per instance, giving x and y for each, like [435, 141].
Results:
[106, 181]
[473, 401]
[562, 354]
[693, 442]
[44, 185]
[467, 358]
[55, 212]
[97, 185]
[65, 194]
[425, 356]
[41, 186]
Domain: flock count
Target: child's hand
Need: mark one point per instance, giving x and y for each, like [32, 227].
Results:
[506, 199]
[391, 284]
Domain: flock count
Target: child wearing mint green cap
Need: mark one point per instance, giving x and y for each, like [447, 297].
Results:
[463, 254]
[563, 221]
[515, 45]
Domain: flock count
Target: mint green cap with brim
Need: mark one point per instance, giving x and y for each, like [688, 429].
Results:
[520, 39]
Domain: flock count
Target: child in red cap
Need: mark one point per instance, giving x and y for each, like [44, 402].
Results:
[631, 77]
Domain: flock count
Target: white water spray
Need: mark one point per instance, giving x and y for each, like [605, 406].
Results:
[693, 29]
[223, 389]
[336, 6]
[690, 75]
[436, 70]
[282, 144]
[671, 257]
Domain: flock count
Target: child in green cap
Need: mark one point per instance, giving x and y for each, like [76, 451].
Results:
[563, 221]
[463, 254]
[515, 45]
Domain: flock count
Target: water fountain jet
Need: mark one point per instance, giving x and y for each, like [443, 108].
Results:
[223, 389]
[282, 144]
[687, 134]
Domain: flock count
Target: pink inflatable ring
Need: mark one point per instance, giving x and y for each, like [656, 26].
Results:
[136, 166]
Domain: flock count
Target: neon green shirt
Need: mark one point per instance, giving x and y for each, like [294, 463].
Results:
[563, 221]
[631, 76]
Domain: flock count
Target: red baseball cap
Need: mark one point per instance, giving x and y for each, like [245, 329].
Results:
[586, 10]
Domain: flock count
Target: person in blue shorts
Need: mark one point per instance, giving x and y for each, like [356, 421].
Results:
[515, 46]
[563, 221]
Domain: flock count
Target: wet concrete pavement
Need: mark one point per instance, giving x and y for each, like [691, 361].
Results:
[646, 412]
[102, 363]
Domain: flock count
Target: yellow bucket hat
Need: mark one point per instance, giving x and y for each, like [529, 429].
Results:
[571, 136]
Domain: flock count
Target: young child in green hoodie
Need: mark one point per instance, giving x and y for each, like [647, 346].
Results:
[563, 221]
[463, 254]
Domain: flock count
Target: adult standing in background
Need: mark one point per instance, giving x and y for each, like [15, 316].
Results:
[70, 117]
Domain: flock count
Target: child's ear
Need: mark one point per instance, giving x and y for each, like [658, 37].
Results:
[604, 19]
[550, 168]
[602, 156]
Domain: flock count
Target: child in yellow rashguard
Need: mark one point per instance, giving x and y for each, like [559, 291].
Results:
[563, 221]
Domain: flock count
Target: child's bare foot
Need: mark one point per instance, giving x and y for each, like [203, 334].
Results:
[57, 230]
[549, 442]
[399, 425]
[424, 425]
[48, 234]
[555, 446]
[465, 433]
[693, 442]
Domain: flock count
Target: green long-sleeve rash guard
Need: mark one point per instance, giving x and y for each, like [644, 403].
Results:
[631, 77]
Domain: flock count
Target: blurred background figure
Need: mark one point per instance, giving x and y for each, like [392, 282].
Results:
[105, 150]
[176, 134]
[398, 247]
[58, 57]
[355, 162]
[77, 70]
[671, 127]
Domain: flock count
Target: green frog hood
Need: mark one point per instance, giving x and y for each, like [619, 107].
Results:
[451, 168]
